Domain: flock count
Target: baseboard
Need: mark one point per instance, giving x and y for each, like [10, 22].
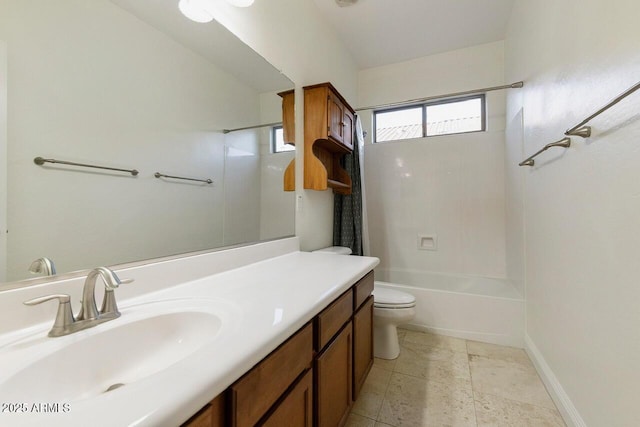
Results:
[568, 411]
[499, 339]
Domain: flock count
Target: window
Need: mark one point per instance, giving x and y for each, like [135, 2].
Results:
[460, 115]
[277, 141]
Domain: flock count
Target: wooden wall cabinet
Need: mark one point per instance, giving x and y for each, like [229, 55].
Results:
[328, 135]
[311, 379]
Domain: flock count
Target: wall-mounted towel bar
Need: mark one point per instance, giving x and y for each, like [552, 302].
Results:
[161, 175]
[585, 131]
[225, 131]
[564, 142]
[41, 161]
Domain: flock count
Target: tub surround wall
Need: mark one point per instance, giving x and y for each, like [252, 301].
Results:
[473, 308]
[581, 205]
[448, 186]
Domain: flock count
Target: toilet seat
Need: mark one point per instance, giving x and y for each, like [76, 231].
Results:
[392, 299]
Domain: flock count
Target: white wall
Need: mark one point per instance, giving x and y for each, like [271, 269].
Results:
[3, 165]
[293, 36]
[91, 83]
[449, 186]
[581, 205]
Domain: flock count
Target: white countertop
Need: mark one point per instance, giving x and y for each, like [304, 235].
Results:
[273, 298]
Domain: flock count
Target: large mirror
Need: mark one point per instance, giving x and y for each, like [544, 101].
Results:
[131, 84]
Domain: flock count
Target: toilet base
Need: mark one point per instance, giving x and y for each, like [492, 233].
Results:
[385, 341]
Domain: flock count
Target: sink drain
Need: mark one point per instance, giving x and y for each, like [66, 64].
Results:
[113, 387]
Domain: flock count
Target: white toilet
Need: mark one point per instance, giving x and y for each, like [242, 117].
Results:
[390, 309]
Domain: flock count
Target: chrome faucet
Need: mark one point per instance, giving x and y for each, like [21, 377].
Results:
[89, 316]
[44, 266]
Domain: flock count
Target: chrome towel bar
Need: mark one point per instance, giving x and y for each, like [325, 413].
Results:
[41, 161]
[585, 131]
[581, 129]
[225, 131]
[161, 175]
[564, 142]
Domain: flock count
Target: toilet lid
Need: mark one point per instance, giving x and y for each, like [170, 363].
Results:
[390, 298]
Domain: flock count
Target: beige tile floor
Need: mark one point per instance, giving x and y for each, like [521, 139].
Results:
[443, 381]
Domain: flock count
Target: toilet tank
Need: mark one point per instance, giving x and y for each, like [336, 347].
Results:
[338, 250]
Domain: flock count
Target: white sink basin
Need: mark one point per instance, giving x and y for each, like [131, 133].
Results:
[147, 339]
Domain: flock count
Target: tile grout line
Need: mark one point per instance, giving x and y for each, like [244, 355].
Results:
[473, 393]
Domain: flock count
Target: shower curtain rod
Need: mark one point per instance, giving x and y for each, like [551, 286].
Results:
[251, 127]
[515, 85]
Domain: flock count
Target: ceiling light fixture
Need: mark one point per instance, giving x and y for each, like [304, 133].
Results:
[240, 3]
[194, 10]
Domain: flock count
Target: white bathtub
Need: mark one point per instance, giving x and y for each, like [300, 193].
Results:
[474, 308]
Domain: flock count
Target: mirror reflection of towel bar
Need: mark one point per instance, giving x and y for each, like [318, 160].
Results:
[161, 175]
[41, 161]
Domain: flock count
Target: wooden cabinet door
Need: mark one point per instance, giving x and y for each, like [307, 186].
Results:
[212, 415]
[296, 409]
[335, 111]
[348, 124]
[333, 380]
[362, 345]
[204, 418]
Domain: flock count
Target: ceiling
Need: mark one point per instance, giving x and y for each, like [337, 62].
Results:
[381, 32]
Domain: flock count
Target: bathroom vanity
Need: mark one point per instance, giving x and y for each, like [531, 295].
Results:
[315, 375]
[246, 336]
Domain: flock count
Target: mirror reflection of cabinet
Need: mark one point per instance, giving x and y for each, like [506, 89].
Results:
[289, 135]
[288, 116]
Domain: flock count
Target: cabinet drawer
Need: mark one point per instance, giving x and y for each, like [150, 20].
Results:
[332, 318]
[362, 290]
[202, 419]
[254, 393]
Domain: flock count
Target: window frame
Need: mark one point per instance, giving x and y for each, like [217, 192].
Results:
[273, 144]
[424, 105]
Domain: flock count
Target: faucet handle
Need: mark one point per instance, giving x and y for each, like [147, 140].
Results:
[64, 316]
[109, 306]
